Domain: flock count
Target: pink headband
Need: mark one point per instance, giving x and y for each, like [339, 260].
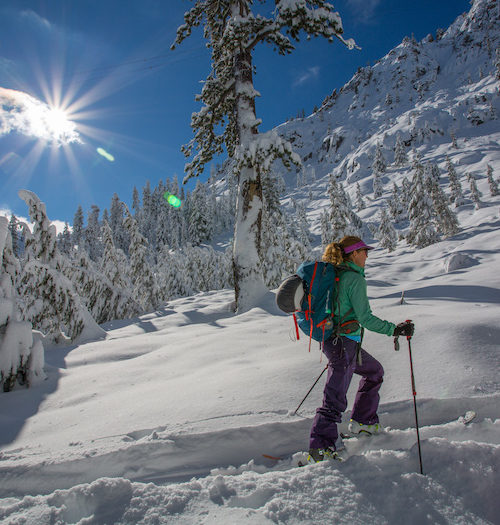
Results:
[358, 246]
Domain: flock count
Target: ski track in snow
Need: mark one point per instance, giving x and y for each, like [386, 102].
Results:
[378, 479]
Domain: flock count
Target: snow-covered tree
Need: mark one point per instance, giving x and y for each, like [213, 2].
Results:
[446, 219]
[387, 234]
[379, 163]
[77, 233]
[422, 231]
[302, 228]
[50, 301]
[400, 155]
[15, 234]
[200, 215]
[281, 251]
[136, 201]
[497, 62]
[228, 118]
[120, 238]
[144, 286]
[475, 193]
[21, 356]
[92, 242]
[405, 195]
[340, 219]
[326, 232]
[379, 167]
[378, 186]
[65, 241]
[360, 203]
[493, 184]
[395, 204]
[456, 196]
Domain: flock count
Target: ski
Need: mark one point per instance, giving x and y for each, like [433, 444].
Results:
[301, 458]
[469, 416]
[297, 459]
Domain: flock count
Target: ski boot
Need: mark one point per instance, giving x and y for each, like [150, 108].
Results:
[320, 454]
[356, 428]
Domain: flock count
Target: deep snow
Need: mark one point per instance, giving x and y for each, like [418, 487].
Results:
[167, 419]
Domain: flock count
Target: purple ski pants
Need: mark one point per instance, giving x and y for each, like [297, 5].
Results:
[342, 364]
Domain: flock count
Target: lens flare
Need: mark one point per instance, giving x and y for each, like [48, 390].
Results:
[174, 201]
[105, 154]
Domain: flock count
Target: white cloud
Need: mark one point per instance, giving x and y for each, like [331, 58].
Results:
[24, 114]
[364, 10]
[310, 74]
[5, 212]
[30, 15]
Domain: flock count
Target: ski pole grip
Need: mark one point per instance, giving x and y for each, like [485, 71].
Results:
[408, 337]
[396, 344]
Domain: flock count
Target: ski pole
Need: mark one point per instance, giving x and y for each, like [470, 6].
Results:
[415, 404]
[310, 390]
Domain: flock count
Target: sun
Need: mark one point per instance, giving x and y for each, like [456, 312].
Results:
[59, 126]
[50, 123]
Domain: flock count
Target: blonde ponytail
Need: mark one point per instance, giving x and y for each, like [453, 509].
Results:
[334, 252]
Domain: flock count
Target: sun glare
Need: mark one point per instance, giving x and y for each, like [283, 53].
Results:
[52, 124]
[58, 124]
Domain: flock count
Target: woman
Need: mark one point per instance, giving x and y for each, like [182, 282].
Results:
[345, 355]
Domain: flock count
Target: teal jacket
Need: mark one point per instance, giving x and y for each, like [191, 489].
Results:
[352, 295]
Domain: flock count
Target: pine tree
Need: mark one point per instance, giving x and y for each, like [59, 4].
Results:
[422, 231]
[200, 217]
[340, 219]
[387, 234]
[405, 196]
[396, 208]
[377, 185]
[77, 234]
[360, 203]
[493, 184]
[302, 227]
[64, 240]
[144, 286]
[476, 194]
[446, 220]
[281, 250]
[379, 167]
[92, 232]
[497, 62]
[457, 196]
[120, 238]
[379, 162]
[136, 201]
[326, 231]
[15, 236]
[50, 301]
[21, 357]
[229, 120]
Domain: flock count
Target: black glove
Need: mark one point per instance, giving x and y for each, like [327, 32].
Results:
[406, 328]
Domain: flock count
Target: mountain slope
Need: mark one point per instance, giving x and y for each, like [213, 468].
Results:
[433, 94]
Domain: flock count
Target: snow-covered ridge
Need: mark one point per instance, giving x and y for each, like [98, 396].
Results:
[426, 92]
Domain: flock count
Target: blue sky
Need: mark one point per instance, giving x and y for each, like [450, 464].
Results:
[108, 64]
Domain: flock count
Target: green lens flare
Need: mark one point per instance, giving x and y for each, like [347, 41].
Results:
[105, 154]
[174, 201]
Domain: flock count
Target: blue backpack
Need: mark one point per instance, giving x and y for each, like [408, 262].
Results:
[310, 296]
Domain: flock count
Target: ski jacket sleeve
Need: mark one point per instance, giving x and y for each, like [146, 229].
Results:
[357, 293]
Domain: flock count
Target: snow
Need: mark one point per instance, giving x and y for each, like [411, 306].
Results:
[166, 420]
